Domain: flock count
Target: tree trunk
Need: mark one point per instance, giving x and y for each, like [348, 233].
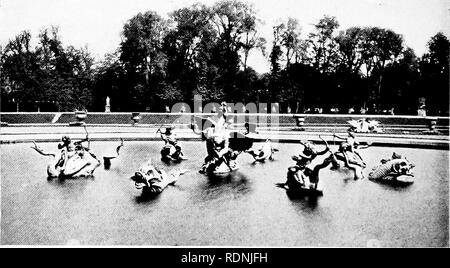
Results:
[245, 62]
[379, 88]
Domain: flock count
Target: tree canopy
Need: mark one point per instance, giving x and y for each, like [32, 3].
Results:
[204, 50]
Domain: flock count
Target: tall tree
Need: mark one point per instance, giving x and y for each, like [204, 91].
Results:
[20, 71]
[109, 82]
[234, 21]
[66, 74]
[323, 44]
[350, 47]
[352, 94]
[294, 46]
[275, 61]
[434, 74]
[188, 47]
[379, 48]
[251, 38]
[400, 86]
[143, 58]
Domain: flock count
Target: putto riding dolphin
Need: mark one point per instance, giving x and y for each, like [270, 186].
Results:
[75, 159]
[265, 152]
[153, 180]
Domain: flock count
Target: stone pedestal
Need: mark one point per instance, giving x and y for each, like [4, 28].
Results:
[80, 117]
[432, 124]
[300, 122]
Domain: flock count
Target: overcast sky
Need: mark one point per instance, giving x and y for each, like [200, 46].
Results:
[97, 23]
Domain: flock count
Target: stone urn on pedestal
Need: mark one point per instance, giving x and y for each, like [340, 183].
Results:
[81, 117]
[136, 117]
